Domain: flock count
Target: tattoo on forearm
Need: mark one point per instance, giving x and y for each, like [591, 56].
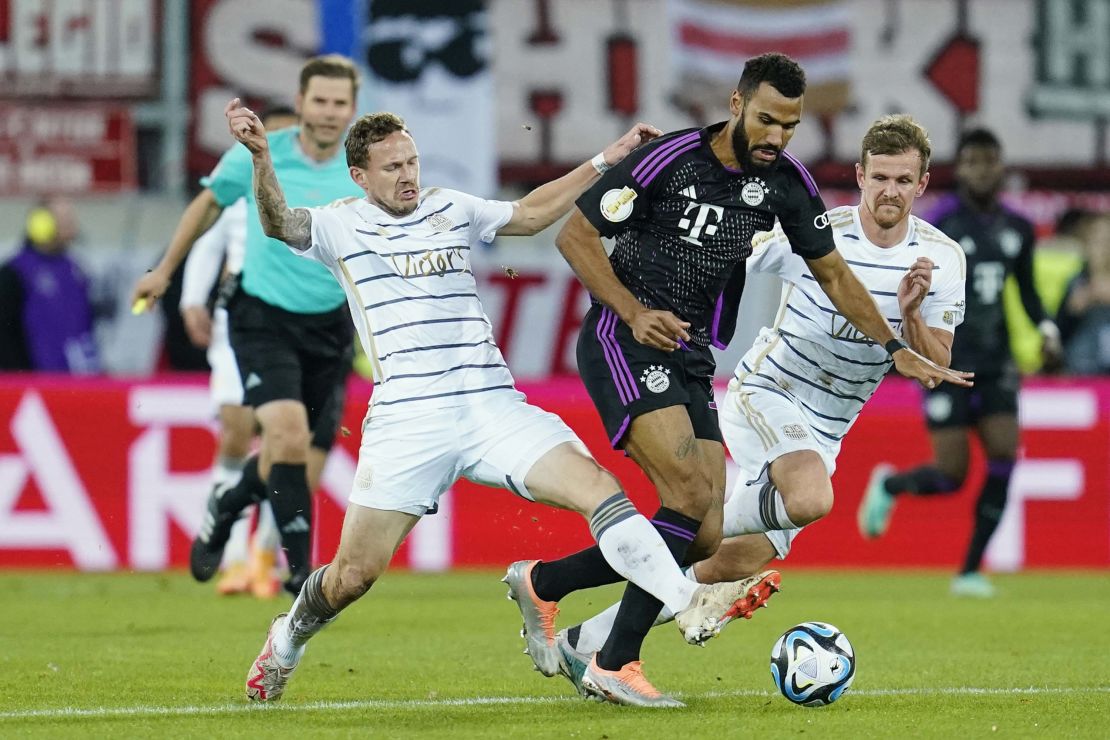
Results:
[294, 227]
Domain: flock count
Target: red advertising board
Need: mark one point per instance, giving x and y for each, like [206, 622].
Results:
[102, 475]
[78, 149]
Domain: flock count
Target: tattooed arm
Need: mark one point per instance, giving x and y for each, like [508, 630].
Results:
[292, 226]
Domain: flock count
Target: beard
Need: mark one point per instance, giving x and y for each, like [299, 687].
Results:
[888, 221]
[742, 149]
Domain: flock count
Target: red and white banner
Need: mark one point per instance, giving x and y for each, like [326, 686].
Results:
[78, 49]
[77, 149]
[102, 475]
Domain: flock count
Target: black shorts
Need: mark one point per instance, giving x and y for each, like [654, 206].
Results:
[292, 356]
[626, 379]
[952, 406]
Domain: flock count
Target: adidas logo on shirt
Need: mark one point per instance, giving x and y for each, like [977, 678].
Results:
[690, 193]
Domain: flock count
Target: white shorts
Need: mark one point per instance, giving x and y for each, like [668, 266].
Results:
[407, 461]
[225, 384]
[760, 426]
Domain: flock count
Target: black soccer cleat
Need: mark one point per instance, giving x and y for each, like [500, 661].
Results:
[208, 547]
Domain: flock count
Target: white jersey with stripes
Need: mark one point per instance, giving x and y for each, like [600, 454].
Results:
[812, 354]
[412, 294]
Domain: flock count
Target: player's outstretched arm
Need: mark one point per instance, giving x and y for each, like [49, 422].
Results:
[549, 202]
[580, 244]
[292, 226]
[199, 215]
[854, 303]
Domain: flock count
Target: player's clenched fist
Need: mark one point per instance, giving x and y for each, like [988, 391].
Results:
[245, 126]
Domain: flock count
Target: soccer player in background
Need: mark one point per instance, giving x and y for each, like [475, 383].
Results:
[249, 563]
[288, 320]
[445, 405]
[799, 389]
[683, 211]
[998, 243]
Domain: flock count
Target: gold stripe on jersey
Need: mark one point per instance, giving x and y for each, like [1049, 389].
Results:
[361, 316]
[930, 233]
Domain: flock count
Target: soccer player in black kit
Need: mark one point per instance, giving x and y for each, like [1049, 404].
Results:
[683, 210]
[998, 243]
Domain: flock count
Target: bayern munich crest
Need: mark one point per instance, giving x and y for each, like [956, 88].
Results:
[753, 192]
[656, 379]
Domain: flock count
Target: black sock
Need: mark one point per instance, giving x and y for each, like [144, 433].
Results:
[639, 609]
[924, 481]
[552, 580]
[292, 505]
[988, 511]
[249, 490]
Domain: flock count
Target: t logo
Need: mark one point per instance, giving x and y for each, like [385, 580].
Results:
[702, 222]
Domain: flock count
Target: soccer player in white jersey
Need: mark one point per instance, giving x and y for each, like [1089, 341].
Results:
[801, 386]
[444, 404]
[217, 258]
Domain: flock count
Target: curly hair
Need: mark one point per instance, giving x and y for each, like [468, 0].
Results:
[778, 70]
[369, 129]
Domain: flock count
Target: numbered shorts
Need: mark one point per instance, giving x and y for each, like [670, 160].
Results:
[760, 426]
[409, 459]
[952, 406]
[626, 379]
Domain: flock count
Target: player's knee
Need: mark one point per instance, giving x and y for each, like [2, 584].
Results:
[352, 580]
[689, 491]
[805, 507]
[288, 442]
[705, 544]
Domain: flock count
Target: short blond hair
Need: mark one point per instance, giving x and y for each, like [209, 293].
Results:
[895, 134]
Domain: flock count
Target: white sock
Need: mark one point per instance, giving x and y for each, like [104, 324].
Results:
[228, 470]
[266, 534]
[634, 549]
[593, 633]
[284, 650]
[237, 549]
[754, 508]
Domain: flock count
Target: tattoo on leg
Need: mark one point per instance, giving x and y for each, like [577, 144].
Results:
[686, 447]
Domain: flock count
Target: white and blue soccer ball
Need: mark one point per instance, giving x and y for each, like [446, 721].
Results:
[813, 664]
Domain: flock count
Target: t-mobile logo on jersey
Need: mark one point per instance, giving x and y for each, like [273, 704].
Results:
[702, 223]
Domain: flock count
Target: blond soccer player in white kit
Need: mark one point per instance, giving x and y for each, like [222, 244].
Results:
[444, 405]
[801, 386]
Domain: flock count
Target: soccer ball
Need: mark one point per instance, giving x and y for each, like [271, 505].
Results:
[813, 664]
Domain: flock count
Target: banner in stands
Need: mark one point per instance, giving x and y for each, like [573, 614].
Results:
[58, 148]
[102, 475]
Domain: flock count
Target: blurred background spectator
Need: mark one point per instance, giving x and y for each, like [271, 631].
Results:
[1084, 316]
[46, 310]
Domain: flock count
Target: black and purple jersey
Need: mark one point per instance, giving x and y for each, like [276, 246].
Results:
[997, 243]
[684, 223]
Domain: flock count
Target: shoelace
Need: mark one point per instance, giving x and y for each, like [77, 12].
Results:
[633, 675]
[548, 613]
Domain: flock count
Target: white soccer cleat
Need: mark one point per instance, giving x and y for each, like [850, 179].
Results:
[539, 617]
[973, 585]
[877, 506]
[267, 677]
[715, 605]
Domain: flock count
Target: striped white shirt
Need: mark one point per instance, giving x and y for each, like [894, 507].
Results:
[412, 294]
[812, 354]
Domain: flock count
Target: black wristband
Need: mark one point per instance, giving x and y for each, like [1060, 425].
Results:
[894, 345]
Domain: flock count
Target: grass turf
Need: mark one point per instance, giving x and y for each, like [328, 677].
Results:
[438, 656]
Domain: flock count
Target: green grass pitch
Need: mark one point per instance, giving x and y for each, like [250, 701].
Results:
[156, 655]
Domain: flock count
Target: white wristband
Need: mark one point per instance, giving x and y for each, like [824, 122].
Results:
[600, 164]
[1049, 329]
